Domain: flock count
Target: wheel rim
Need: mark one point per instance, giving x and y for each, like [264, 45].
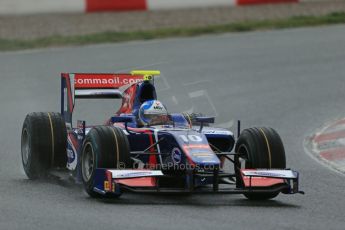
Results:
[25, 147]
[87, 162]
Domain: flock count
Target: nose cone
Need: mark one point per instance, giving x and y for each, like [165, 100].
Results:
[196, 148]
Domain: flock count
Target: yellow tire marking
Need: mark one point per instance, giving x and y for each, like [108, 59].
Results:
[52, 135]
[268, 148]
[117, 150]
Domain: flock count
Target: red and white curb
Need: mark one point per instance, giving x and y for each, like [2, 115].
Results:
[9, 7]
[328, 144]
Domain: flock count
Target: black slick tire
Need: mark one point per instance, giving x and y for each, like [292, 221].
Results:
[261, 148]
[104, 147]
[43, 143]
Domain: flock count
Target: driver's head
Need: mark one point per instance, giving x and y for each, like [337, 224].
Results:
[152, 112]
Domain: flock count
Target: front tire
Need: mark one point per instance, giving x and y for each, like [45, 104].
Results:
[43, 143]
[104, 147]
[261, 148]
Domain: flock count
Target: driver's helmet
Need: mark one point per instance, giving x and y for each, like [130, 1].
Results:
[153, 112]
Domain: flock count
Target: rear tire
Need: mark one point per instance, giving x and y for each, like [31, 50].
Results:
[43, 143]
[104, 147]
[261, 148]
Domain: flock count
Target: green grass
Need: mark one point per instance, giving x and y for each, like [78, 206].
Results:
[112, 37]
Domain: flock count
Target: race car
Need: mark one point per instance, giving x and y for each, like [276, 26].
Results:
[145, 149]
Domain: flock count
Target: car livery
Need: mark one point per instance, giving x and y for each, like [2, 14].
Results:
[185, 154]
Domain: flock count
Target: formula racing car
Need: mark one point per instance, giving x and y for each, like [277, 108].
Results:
[143, 148]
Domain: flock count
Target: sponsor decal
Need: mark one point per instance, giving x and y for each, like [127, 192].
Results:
[209, 161]
[135, 174]
[106, 186]
[158, 106]
[70, 156]
[176, 155]
[207, 155]
[153, 107]
[270, 173]
[80, 129]
[217, 132]
[104, 80]
[191, 147]
[148, 78]
[122, 174]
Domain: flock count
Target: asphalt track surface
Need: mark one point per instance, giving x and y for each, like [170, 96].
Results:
[292, 80]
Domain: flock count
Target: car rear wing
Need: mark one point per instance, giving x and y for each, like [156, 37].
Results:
[96, 85]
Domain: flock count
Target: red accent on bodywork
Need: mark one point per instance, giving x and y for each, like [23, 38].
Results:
[152, 158]
[73, 139]
[260, 181]
[115, 5]
[128, 100]
[138, 182]
[137, 130]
